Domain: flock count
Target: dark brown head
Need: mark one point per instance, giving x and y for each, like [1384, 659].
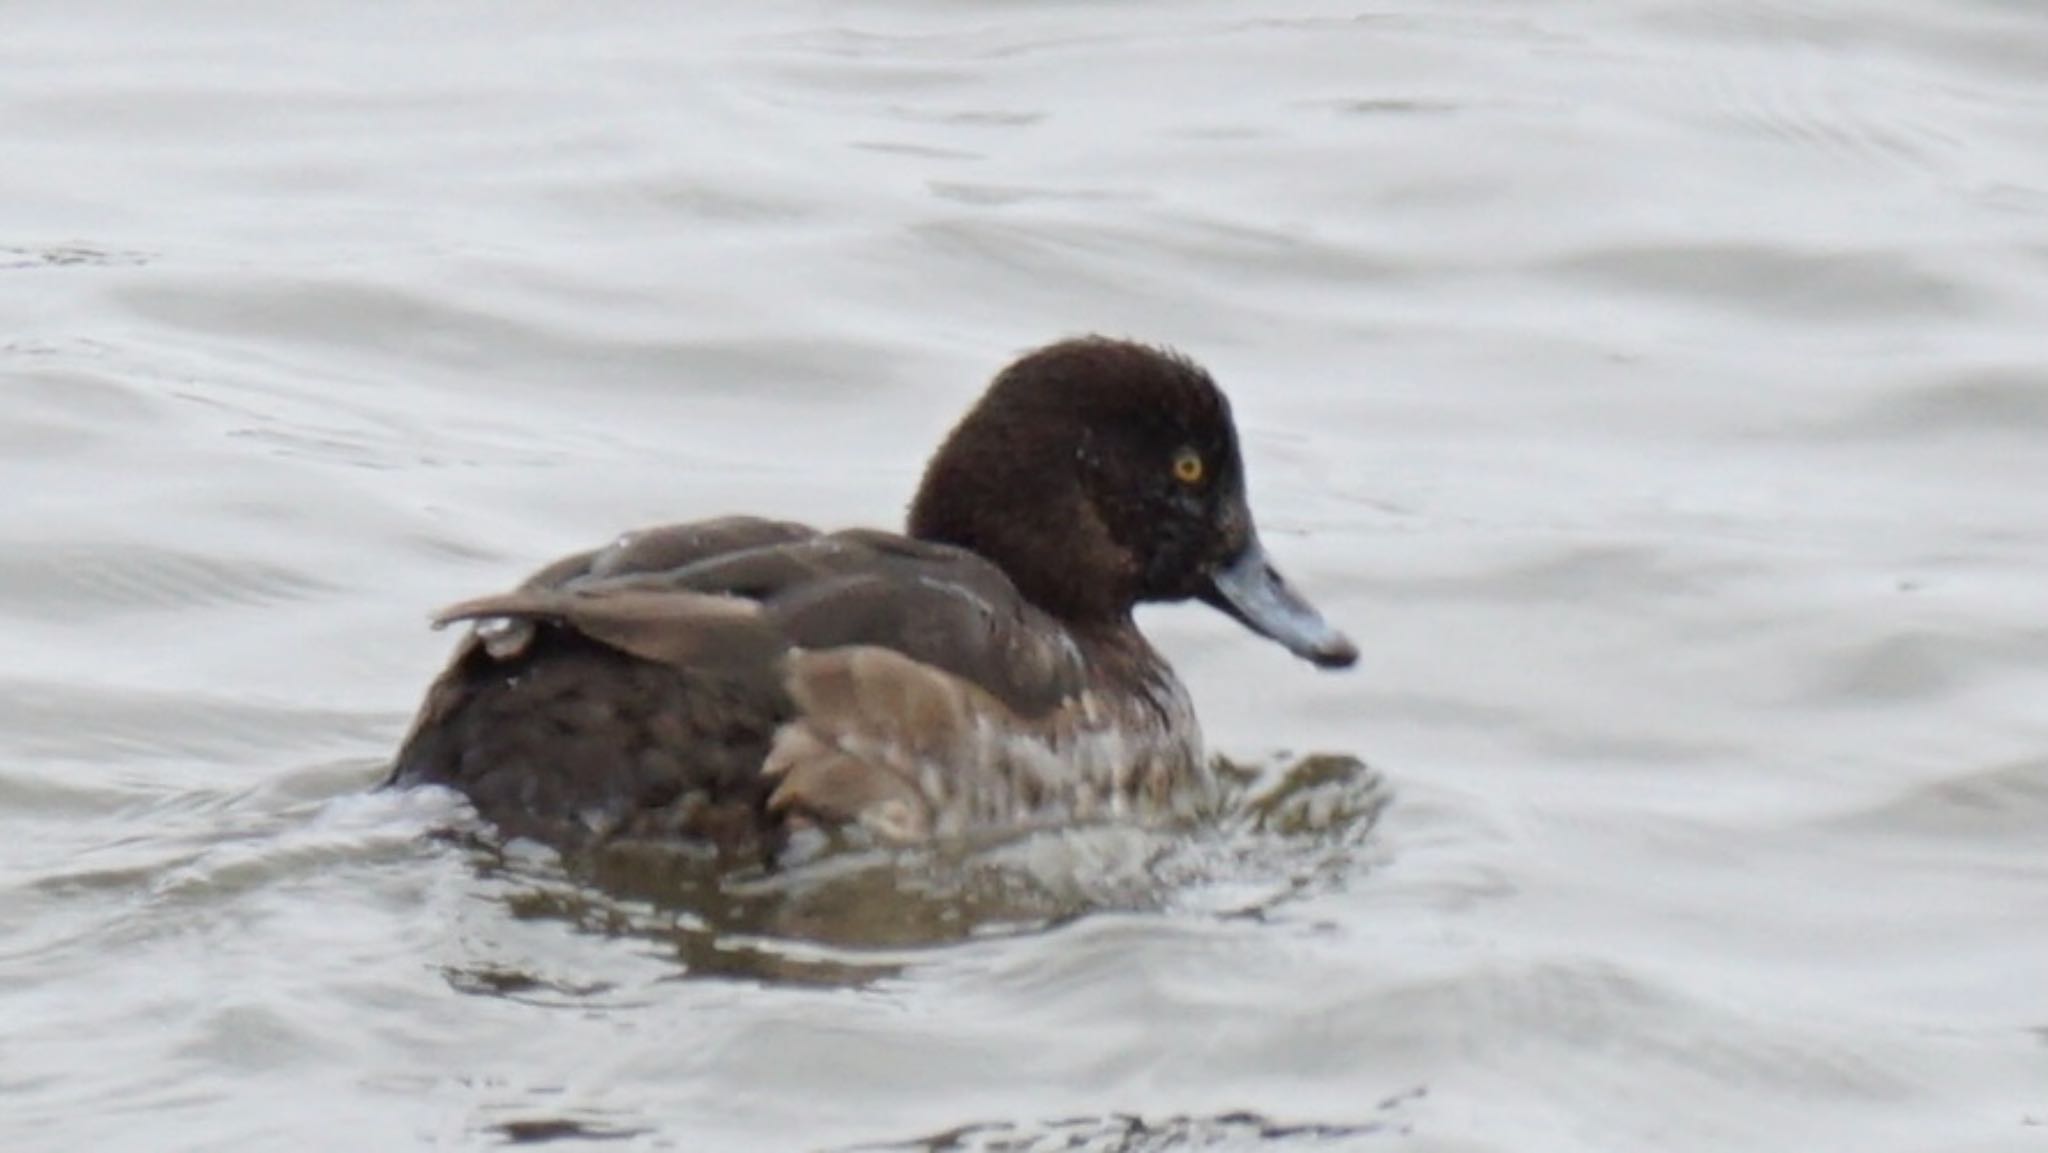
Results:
[1100, 473]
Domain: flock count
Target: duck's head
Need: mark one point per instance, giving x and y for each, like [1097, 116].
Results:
[1101, 473]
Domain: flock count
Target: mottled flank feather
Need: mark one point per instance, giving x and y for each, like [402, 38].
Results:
[870, 679]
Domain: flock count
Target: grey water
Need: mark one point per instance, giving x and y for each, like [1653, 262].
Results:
[1657, 391]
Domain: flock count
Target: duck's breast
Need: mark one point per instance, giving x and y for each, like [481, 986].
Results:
[912, 751]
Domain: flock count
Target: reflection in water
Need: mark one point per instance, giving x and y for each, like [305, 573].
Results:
[544, 1131]
[851, 918]
[1127, 1133]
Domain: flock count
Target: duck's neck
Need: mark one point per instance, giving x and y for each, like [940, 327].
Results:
[1119, 655]
[1065, 568]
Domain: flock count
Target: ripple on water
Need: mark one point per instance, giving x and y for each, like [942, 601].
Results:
[1388, 106]
[1987, 805]
[103, 724]
[1862, 119]
[1581, 1034]
[61, 401]
[161, 856]
[1996, 401]
[991, 195]
[548, 1130]
[1925, 664]
[1763, 21]
[1775, 282]
[1130, 1133]
[14, 258]
[1291, 829]
[97, 580]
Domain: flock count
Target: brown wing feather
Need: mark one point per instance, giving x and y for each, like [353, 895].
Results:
[672, 628]
[639, 688]
[668, 547]
[778, 586]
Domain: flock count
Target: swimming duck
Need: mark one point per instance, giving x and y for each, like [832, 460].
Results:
[726, 682]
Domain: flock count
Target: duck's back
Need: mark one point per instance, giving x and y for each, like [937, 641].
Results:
[706, 681]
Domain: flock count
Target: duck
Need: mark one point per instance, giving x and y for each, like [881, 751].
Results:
[728, 684]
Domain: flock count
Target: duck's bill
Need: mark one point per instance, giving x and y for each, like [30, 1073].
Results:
[1251, 590]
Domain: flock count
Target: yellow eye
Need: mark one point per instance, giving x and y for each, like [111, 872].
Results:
[1187, 466]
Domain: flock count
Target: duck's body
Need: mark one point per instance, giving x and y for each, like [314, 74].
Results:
[687, 680]
[721, 682]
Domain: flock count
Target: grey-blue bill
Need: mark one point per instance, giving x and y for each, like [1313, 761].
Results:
[1250, 590]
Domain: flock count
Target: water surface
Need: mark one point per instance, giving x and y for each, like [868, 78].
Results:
[1655, 390]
